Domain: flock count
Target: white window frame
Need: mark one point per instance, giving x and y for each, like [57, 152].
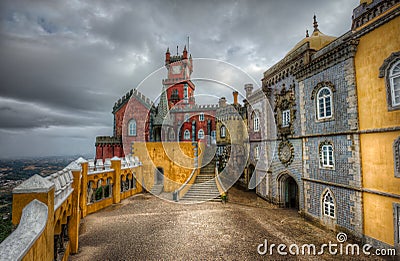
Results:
[186, 135]
[285, 118]
[222, 130]
[323, 99]
[393, 76]
[256, 122]
[200, 134]
[201, 116]
[132, 128]
[328, 205]
[327, 157]
[187, 117]
[257, 152]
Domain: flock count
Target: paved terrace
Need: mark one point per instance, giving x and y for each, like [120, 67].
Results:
[144, 227]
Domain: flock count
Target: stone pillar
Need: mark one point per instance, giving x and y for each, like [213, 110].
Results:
[84, 180]
[116, 166]
[73, 227]
[36, 187]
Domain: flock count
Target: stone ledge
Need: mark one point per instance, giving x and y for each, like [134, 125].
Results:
[35, 184]
[33, 222]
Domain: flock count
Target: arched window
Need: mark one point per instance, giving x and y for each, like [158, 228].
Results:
[324, 103]
[201, 116]
[256, 122]
[394, 81]
[132, 128]
[187, 117]
[200, 134]
[328, 205]
[326, 155]
[186, 135]
[222, 131]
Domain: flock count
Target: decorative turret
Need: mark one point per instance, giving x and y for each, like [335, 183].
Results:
[315, 24]
[185, 53]
[249, 89]
[167, 56]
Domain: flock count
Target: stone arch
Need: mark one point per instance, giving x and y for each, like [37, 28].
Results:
[288, 191]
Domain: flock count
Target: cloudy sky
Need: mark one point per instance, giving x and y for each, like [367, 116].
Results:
[64, 63]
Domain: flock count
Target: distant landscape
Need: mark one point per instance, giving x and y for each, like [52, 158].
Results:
[14, 171]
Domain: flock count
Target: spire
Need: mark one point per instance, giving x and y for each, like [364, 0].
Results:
[184, 49]
[307, 35]
[167, 50]
[315, 23]
[177, 53]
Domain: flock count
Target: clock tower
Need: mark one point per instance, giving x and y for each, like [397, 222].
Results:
[180, 89]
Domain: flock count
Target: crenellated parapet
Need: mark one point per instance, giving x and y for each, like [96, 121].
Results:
[108, 140]
[195, 108]
[367, 12]
[132, 93]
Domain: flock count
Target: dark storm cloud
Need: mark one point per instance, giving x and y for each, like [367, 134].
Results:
[65, 63]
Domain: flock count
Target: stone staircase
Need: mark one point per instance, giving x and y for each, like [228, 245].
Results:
[157, 189]
[204, 187]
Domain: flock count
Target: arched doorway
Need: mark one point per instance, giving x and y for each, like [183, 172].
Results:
[289, 192]
[159, 176]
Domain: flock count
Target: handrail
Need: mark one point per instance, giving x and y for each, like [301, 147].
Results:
[176, 194]
[220, 185]
[33, 222]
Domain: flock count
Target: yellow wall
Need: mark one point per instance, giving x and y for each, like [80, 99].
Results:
[377, 161]
[372, 50]
[176, 158]
[378, 217]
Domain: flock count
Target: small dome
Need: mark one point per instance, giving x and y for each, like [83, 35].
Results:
[317, 40]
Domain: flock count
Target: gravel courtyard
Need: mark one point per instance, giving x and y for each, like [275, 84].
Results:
[144, 227]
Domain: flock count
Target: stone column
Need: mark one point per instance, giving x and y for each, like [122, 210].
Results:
[73, 227]
[84, 180]
[116, 166]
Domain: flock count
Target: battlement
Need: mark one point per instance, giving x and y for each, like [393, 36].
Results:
[195, 107]
[102, 140]
[368, 10]
[135, 93]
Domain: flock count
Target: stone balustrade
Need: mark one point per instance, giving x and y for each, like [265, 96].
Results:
[22, 242]
[48, 209]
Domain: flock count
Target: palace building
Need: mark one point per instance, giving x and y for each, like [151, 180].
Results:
[176, 117]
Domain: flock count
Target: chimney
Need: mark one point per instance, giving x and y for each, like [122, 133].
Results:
[235, 97]
[249, 89]
[222, 102]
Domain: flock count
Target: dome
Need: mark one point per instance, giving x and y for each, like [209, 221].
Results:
[317, 40]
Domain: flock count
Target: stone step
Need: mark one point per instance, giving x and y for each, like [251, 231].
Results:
[157, 189]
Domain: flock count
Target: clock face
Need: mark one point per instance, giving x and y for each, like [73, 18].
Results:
[285, 152]
[176, 69]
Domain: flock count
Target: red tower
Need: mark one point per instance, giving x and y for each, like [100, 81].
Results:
[179, 87]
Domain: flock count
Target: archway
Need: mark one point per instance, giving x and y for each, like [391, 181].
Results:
[159, 176]
[250, 171]
[289, 191]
